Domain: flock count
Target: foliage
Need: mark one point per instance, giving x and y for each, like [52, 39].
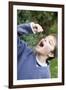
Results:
[54, 68]
[48, 21]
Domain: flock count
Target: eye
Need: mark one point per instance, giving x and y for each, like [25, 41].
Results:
[50, 42]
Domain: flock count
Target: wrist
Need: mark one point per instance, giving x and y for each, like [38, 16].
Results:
[32, 24]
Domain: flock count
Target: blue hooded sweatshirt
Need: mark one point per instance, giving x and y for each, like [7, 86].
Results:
[26, 58]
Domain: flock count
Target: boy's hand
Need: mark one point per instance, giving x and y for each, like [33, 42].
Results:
[36, 27]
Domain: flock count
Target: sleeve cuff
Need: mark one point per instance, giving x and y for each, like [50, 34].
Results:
[32, 24]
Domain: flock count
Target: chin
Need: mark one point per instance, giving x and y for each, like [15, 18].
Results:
[38, 50]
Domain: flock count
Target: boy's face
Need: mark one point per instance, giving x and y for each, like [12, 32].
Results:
[46, 45]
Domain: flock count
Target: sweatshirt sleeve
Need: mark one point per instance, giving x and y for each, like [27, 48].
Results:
[22, 45]
[24, 29]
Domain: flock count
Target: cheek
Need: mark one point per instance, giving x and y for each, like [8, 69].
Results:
[46, 50]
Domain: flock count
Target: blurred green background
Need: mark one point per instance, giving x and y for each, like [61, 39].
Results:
[49, 22]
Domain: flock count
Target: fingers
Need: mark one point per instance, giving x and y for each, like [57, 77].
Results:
[38, 28]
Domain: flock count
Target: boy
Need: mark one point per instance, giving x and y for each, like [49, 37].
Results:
[32, 65]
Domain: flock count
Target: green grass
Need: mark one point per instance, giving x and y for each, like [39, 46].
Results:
[54, 68]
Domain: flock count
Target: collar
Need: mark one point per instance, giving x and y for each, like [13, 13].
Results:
[41, 64]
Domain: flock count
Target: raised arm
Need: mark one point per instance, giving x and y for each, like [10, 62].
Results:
[28, 28]
[21, 45]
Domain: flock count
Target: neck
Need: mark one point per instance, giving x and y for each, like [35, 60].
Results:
[42, 58]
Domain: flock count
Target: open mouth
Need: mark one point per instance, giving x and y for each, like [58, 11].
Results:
[41, 44]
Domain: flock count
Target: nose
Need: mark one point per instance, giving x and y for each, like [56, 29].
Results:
[43, 40]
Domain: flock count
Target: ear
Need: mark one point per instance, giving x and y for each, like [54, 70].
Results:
[51, 54]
